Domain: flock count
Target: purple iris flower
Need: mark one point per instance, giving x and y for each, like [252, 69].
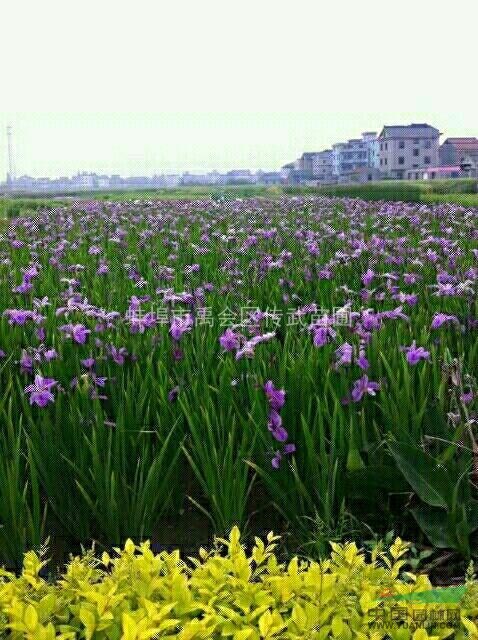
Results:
[344, 354]
[139, 325]
[50, 354]
[395, 314]
[179, 326]
[102, 269]
[362, 360]
[367, 277]
[275, 426]
[18, 316]
[39, 391]
[118, 355]
[276, 459]
[229, 340]
[288, 449]
[173, 394]
[26, 362]
[249, 346]
[442, 318]
[191, 268]
[276, 397]
[364, 386]
[410, 278]
[321, 335]
[79, 333]
[370, 320]
[467, 397]
[99, 381]
[407, 298]
[415, 354]
[322, 331]
[24, 287]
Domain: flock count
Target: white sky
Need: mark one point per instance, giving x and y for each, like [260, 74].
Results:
[149, 87]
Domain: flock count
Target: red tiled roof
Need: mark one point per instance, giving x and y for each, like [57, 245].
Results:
[468, 143]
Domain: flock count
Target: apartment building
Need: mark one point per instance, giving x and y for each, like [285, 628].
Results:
[322, 167]
[313, 167]
[404, 151]
[462, 152]
[354, 157]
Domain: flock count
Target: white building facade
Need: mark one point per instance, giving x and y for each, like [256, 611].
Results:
[355, 157]
[404, 151]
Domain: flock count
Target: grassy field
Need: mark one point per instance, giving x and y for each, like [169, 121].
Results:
[463, 192]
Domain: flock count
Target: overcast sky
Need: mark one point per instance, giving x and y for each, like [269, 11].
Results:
[150, 87]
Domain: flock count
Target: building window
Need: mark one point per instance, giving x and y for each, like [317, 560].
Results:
[401, 160]
[416, 141]
[381, 162]
[428, 144]
[427, 160]
[401, 144]
[416, 152]
[386, 146]
[386, 162]
[415, 166]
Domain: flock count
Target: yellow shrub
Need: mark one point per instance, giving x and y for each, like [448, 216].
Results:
[138, 595]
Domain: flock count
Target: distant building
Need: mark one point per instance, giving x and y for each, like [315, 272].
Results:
[355, 156]
[269, 177]
[460, 151]
[404, 150]
[240, 176]
[312, 168]
[171, 180]
[306, 163]
[360, 175]
[193, 179]
[441, 173]
[216, 178]
[286, 172]
[103, 182]
[84, 181]
[322, 167]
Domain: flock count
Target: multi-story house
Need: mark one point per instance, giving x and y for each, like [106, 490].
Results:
[287, 172]
[322, 167]
[269, 177]
[405, 150]
[461, 152]
[306, 164]
[313, 167]
[354, 160]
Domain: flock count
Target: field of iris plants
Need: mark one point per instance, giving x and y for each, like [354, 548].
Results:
[308, 361]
